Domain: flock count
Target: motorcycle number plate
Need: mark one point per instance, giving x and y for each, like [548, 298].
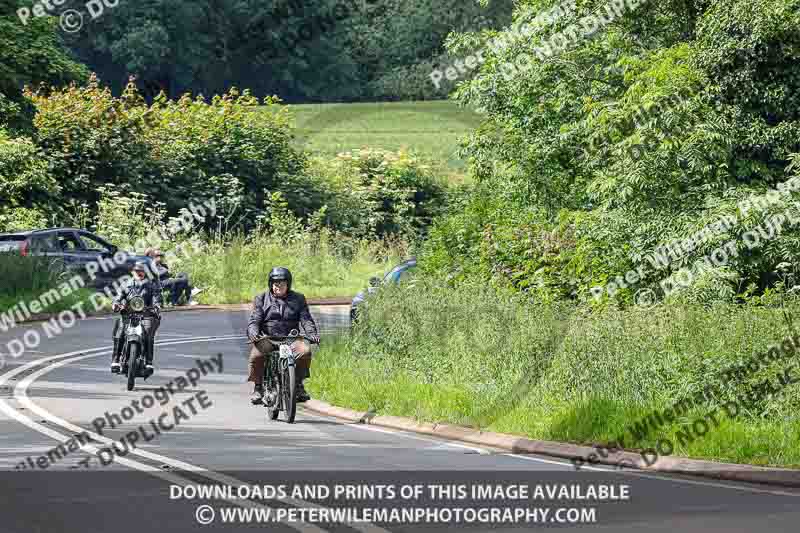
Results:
[135, 330]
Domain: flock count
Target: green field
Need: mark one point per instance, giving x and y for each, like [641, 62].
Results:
[430, 129]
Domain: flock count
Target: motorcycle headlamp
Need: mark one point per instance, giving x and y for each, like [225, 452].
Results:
[137, 304]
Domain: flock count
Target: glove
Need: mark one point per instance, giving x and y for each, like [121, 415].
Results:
[314, 339]
[116, 307]
[157, 312]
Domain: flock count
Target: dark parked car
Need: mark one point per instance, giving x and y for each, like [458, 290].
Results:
[70, 250]
[399, 273]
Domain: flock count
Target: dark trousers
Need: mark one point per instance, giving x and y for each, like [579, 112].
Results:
[177, 287]
[150, 326]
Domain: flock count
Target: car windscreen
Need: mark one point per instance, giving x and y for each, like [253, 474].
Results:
[11, 243]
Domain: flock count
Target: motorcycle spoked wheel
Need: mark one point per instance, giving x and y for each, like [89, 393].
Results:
[275, 409]
[133, 364]
[289, 391]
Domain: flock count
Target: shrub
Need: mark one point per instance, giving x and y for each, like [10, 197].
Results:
[91, 139]
[177, 152]
[225, 149]
[380, 193]
[27, 188]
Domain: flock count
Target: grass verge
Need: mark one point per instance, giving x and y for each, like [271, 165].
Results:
[468, 357]
[26, 279]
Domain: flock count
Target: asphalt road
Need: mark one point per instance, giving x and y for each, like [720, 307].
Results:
[215, 437]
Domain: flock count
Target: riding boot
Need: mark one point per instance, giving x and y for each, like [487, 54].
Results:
[258, 394]
[302, 394]
[115, 367]
[117, 351]
[149, 353]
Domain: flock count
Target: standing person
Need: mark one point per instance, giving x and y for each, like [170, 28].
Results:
[178, 286]
[277, 312]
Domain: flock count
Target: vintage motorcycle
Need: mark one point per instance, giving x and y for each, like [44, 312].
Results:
[134, 343]
[280, 390]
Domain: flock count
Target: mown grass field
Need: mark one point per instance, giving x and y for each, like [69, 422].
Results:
[430, 129]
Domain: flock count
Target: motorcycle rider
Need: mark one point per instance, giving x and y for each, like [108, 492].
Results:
[150, 291]
[275, 313]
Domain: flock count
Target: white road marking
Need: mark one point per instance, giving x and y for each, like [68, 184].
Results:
[22, 397]
[20, 393]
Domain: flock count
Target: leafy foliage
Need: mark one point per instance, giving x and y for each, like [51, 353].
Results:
[182, 152]
[310, 50]
[111, 160]
[30, 53]
[640, 136]
[27, 188]
[381, 193]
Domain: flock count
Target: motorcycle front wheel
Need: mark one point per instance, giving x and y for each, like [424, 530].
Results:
[271, 387]
[133, 355]
[289, 394]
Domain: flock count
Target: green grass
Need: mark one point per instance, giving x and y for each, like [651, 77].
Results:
[26, 279]
[560, 374]
[430, 129]
[236, 270]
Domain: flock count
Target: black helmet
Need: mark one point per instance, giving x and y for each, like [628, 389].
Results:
[279, 273]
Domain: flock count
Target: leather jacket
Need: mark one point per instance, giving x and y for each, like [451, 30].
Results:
[149, 290]
[278, 316]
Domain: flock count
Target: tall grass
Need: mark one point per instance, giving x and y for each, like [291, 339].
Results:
[474, 358]
[24, 279]
[235, 269]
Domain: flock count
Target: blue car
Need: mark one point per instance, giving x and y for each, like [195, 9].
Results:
[395, 275]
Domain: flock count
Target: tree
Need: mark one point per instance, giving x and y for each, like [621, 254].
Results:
[30, 53]
[637, 135]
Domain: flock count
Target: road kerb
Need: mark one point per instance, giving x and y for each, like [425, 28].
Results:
[522, 445]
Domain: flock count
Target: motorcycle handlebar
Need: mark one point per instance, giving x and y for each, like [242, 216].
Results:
[124, 308]
[279, 338]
